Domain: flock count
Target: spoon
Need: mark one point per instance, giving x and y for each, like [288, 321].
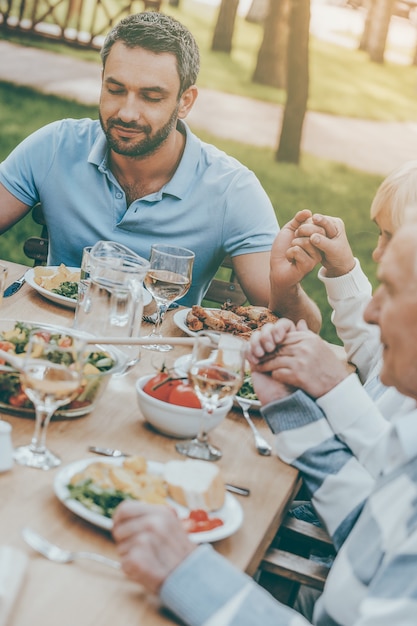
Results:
[58, 555]
[262, 446]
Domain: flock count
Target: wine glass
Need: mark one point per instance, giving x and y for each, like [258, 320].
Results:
[168, 279]
[216, 372]
[50, 375]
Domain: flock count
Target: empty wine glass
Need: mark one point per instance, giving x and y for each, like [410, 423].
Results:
[168, 279]
[50, 375]
[216, 372]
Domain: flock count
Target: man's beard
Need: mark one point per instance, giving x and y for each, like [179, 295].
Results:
[144, 147]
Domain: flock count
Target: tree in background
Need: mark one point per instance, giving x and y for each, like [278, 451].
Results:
[271, 65]
[258, 11]
[223, 31]
[297, 83]
[375, 33]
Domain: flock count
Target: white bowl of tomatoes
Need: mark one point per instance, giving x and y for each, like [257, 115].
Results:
[173, 408]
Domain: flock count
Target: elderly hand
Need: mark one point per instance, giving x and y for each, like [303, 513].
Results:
[328, 236]
[151, 542]
[262, 345]
[299, 359]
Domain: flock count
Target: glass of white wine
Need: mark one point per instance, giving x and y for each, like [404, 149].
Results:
[216, 371]
[168, 279]
[50, 375]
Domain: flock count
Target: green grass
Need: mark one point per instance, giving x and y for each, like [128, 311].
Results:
[343, 81]
[316, 184]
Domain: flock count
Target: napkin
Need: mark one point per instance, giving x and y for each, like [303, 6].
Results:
[13, 565]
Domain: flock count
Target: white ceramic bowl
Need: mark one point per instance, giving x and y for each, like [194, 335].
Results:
[173, 420]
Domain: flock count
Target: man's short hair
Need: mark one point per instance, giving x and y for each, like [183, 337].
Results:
[158, 33]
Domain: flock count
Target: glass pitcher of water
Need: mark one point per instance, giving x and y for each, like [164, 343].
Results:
[110, 302]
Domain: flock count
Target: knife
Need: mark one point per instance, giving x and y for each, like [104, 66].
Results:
[11, 289]
[242, 491]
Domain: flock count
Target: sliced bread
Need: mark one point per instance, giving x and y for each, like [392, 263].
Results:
[195, 484]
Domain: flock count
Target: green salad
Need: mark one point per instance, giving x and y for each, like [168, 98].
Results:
[68, 289]
[15, 342]
[247, 391]
[97, 499]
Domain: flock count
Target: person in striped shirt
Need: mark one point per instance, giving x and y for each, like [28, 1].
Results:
[372, 517]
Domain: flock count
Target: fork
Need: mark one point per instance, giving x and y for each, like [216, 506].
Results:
[151, 319]
[58, 555]
[262, 446]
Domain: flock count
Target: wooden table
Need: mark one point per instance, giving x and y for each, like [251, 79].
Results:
[86, 593]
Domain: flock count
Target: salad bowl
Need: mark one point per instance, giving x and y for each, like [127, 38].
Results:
[101, 363]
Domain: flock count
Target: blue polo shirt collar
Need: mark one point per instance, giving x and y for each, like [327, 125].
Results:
[179, 183]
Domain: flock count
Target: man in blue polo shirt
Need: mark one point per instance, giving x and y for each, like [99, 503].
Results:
[139, 175]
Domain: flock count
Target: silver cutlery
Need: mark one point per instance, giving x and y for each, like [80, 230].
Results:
[262, 446]
[15, 286]
[150, 319]
[113, 452]
[58, 555]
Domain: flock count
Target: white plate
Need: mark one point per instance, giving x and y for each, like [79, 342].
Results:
[231, 512]
[180, 317]
[147, 298]
[181, 366]
[63, 300]
[50, 295]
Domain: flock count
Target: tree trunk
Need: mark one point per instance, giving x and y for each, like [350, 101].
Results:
[258, 11]
[271, 65]
[298, 82]
[378, 29]
[223, 32]
[363, 44]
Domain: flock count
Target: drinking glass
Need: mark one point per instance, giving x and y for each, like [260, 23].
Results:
[50, 375]
[85, 271]
[110, 298]
[168, 279]
[3, 278]
[216, 371]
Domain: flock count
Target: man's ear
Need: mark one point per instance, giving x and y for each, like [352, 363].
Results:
[187, 101]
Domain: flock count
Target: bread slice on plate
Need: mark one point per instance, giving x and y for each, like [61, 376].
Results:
[195, 484]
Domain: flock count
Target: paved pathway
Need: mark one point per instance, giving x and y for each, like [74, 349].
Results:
[374, 147]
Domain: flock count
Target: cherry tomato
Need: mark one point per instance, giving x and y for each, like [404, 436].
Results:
[161, 385]
[184, 395]
[198, 521]
[19, 399]
[7, 346]
[198, 515]
[45, 335]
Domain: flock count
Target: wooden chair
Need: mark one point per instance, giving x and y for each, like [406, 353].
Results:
[225, 287]
[286, 564]
[36, 248]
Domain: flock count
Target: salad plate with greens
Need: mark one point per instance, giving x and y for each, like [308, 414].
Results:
[101, 362]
